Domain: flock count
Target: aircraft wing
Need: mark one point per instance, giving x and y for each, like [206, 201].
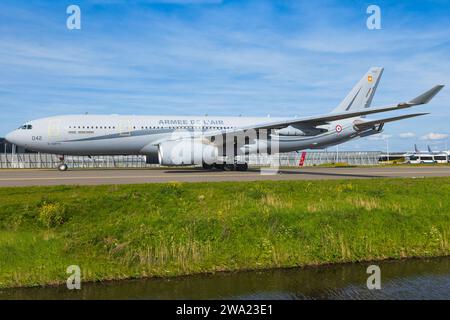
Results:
[315, 121]
[369, 124]
[324, 119]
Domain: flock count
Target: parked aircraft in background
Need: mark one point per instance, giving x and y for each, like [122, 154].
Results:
[416, 150]
[422, 157]
[211, 141]
[431, 151]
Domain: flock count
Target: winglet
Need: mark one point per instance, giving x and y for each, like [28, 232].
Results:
[426, 96]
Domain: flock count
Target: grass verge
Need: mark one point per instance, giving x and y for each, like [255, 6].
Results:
[127, 231]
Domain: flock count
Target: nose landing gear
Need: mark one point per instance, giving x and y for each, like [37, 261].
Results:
[62, 166]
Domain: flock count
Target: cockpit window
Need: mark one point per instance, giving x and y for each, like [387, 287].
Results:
[26, 127]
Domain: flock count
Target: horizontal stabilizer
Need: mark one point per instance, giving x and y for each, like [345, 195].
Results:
[370, 124]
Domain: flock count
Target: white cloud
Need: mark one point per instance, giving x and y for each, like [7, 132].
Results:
[406, 135]
[434, 136]
[225, 60]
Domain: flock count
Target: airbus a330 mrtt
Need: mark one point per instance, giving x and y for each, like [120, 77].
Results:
[211, 141]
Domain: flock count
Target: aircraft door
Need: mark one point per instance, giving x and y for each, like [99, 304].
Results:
[125, 128]
[54, 128]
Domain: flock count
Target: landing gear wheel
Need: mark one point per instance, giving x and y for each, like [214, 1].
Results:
[229, 167]
[62, 167]
[219, 166]
[242, 167]
[207, 166]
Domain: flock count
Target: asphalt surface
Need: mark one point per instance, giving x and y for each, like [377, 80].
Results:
[35, 177]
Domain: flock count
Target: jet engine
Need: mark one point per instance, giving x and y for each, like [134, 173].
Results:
[186, 152]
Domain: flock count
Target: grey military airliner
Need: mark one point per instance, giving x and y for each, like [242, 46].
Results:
[211, 141]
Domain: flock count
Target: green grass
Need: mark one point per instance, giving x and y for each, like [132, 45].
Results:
[125, 231]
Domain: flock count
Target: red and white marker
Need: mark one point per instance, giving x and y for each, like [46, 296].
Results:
[338, 128]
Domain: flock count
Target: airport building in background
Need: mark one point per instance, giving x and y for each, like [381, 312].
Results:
[14, 157]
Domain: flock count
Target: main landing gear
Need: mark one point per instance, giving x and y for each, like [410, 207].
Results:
[242, 166]
[227, 166]
[62, 166]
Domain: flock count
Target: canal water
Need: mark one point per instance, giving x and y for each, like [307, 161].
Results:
[401, 279]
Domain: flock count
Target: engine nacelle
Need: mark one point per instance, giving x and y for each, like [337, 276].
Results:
[186, 152]
[260, 146]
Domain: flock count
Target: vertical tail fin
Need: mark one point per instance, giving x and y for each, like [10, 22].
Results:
[416, 149]
[429, 149]
[362, 93]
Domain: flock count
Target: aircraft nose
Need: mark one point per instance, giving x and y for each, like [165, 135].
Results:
[11, 137]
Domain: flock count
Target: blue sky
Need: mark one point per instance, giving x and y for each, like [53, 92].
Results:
[195, 57]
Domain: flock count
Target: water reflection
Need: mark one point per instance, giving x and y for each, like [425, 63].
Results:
[405, 279]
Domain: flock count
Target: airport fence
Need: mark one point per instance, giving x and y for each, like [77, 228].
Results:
[292, 159]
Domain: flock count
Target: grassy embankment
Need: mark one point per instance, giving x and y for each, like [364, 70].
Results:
[116, 232]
